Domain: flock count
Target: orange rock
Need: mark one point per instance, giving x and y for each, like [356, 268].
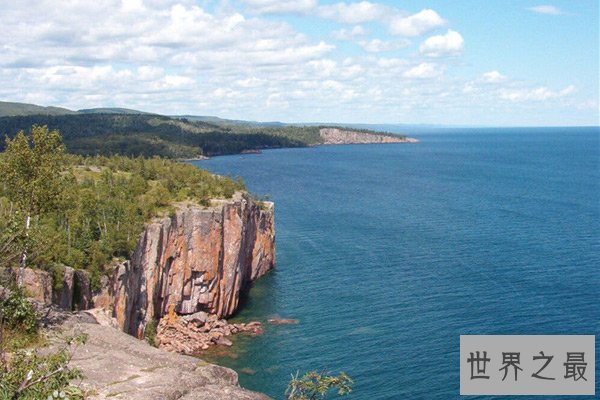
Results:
[201, 259]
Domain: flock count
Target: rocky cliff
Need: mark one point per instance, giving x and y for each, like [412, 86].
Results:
[190, 268]
[343, 136]
[200, 259]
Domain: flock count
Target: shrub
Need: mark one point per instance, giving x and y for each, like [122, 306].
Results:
[150, 332]
[31, 376]
[316, 385]
[17, 313]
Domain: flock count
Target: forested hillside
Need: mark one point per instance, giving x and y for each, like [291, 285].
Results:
[110, 131]
[151, 135]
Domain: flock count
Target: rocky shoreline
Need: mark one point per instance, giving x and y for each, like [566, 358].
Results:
[192, 334]
[332, 136]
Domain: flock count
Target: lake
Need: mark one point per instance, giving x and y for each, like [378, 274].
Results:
[387, 253]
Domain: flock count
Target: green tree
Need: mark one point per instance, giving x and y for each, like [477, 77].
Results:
[316, 385]
[31, 170]
[10, 240]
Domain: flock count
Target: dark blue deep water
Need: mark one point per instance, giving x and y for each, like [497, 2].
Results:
[387, 253]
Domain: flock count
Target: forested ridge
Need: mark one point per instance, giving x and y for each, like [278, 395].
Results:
[153, 135]
[106, 131]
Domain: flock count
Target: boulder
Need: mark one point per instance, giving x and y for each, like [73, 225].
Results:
[198, 319]
[38, 285]
[282, 321]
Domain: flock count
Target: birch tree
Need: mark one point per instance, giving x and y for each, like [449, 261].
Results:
[31, 170]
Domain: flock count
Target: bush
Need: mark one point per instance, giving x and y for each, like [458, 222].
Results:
[31, 376]
[150, 332]
[17, 313]
[316, 385]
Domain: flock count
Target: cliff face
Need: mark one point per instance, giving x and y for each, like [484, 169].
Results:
[342, 136]
[198, 260]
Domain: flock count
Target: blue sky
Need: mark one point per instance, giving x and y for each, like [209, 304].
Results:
[468, 62]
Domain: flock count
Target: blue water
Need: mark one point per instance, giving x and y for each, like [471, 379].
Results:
[387, 253]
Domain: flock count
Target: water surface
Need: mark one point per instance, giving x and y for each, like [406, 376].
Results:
[387, 253]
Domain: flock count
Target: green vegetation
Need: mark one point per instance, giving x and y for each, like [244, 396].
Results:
[24, 372]
[29, 375]
[14, 109]
[17, 313]
[317, 385]
[30, 171]
[150, 332]
[151, 135]
[94, 208]
[116, 132]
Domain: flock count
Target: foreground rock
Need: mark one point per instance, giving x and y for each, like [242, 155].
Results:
[345, 136]
[119, 366]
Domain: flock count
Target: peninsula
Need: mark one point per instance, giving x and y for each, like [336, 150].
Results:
[107, 131]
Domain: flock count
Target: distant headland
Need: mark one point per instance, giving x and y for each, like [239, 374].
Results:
[108, 131]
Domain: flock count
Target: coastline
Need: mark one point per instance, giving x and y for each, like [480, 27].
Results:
[395, 140]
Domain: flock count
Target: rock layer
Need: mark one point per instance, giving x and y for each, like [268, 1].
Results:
[200, 259]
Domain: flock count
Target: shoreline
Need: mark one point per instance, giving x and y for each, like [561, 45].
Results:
[407, 140]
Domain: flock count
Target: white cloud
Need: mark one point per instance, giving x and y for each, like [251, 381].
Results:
[179, 56]
[252, 82]
[541, 93]
[423, 71]
[281, 6]
[493, 77]
[324, 67]
[176, 81]
[450, 44]
[416, 24]
[172, 33]
[378, 45]
[349, 34]
[351, 71]
[388, 63]
[546, 9]
[353, 13]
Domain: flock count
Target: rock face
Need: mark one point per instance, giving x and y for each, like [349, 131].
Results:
[201, 259]
[38, 285]
[64, 296]
[342, 136]
[74, 291]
